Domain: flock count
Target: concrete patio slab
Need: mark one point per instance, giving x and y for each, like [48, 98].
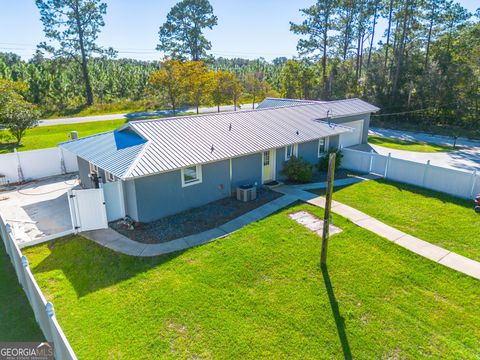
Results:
[312, 222]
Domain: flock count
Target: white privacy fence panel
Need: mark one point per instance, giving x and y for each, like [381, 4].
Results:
[461, 183]
[36, 164]
[43, 310]
[450, 181]
[406, 171]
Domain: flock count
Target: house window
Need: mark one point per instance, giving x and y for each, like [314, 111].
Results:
[93, 168]
[291, 150]
[109, 177]
[322, 146]
[191, 175]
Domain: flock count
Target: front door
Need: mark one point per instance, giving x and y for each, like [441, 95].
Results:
[268, 161]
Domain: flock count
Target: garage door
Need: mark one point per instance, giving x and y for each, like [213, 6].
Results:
[352, 138]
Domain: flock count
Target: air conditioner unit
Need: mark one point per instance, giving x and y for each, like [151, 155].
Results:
[246, 193]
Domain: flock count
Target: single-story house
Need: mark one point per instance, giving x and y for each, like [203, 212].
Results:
[169, 165]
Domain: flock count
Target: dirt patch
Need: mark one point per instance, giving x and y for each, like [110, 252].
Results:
[194, 220]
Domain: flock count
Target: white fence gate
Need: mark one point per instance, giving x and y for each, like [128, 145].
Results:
[461, 183]
[87, 209]
[113, 192]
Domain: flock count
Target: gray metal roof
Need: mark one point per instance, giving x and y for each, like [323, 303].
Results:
[276, 102]
[103, 151]
[173, 143]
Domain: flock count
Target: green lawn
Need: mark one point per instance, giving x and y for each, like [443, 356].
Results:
[17, 322]
[49, 136]
[438, 218]
[260, 293]
[408, 145]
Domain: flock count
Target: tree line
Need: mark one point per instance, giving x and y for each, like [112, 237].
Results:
[424, 69]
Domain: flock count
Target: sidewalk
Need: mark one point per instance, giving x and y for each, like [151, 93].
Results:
[435, 253]
[119, 243]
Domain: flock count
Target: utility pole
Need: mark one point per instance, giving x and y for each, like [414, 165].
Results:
[328, 205]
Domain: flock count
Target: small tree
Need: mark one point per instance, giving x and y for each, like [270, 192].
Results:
[19, 115]
[169, 82]
[256, 86]
[198, 81]
[220, 89]
[16, 114]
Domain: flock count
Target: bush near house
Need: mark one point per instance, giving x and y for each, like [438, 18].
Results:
[323, 162]
[297, 170]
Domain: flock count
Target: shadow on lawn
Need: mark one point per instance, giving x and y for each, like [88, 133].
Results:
[339, 320]
[90, 267]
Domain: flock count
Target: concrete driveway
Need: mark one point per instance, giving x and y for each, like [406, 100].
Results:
[467, 157]
[39, 208]
[463, 159]
[417, 136]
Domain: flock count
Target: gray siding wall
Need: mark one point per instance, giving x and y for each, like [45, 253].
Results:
[308, 151]
[84, 170]
[280, 159]
[247, 170]
[366, 123]
[334, 141]
[162, 195]
[130, 197]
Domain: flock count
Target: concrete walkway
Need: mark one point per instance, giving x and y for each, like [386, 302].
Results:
[119, 243]
[418, 246]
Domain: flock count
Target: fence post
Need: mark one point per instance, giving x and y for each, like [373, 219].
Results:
[63, 168]
[425, 172]
[19, 166]
[387, 164]
[474, 182]
[371, 162]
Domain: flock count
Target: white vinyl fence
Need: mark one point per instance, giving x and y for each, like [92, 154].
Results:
[461, 183]
[36, 164]
[43, 310]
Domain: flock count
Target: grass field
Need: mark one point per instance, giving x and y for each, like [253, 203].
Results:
[260, 293]
[49, 136]
[438, 218]
[408, 145]
[17, 322]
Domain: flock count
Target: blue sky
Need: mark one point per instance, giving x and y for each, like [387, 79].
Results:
[247, 28]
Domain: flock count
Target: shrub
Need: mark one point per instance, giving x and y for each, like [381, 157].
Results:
[297, 170]
[323, 162]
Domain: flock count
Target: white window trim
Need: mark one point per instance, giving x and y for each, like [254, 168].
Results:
[93, 168]
[327, 146]
[109, 177]
[294, 150]
[193, 182]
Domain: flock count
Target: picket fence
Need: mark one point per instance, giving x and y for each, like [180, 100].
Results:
[461, 183]
[36, 164]
[43, 310]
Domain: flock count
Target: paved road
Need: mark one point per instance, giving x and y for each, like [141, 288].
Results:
[82, 119]
[416, 136]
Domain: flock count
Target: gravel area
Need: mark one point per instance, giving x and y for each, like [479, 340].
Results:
[194, 220]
